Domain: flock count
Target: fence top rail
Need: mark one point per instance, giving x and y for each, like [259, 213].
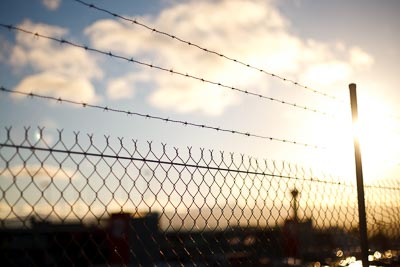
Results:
[76, 144]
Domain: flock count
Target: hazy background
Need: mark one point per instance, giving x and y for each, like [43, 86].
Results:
[324, 45]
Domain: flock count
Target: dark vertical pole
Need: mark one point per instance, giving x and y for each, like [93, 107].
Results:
[360, 183]
[295, 193]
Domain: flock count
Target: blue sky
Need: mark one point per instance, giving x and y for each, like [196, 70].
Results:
[322, 44]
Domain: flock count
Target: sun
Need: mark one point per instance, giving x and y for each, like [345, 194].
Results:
[377, 135]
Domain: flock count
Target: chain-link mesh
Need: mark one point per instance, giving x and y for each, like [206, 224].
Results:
[383, 218]
[78, 200]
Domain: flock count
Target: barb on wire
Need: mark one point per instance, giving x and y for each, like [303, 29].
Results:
[131, 60]
[148, 116]
[174, 37]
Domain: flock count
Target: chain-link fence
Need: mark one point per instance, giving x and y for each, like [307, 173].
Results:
[80, 200]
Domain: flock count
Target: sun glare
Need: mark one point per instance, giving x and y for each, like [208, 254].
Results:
[377, 137]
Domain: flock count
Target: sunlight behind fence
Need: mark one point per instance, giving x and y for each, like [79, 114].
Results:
[145, 204]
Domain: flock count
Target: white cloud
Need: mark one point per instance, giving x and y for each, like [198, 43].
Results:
[51, 4]
[327, 73]
[61, 71]
[258, 34]
[58, 85]
[184, 96]
[119, 88]
[5, 49]
[36, 171]
[123, 87]
[360, 58]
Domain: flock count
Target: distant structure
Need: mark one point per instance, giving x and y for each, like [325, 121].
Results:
[295, 194]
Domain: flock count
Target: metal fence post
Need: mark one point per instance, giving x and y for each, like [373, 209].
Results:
[360, 183]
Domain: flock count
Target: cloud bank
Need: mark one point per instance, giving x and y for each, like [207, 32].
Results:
[259, 35]
[59, 71]
[51, 4]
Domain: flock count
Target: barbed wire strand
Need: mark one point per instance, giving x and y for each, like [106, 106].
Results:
[174, 37]
[148, 116]
[131, 60]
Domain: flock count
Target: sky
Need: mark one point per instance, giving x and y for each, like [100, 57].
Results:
[324, 45]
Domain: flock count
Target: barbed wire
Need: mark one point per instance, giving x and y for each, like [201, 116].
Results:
[172, 71]
[174, 37]
[148, 116]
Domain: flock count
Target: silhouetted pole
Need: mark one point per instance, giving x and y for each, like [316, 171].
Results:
[360, 183]
[295, 193]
